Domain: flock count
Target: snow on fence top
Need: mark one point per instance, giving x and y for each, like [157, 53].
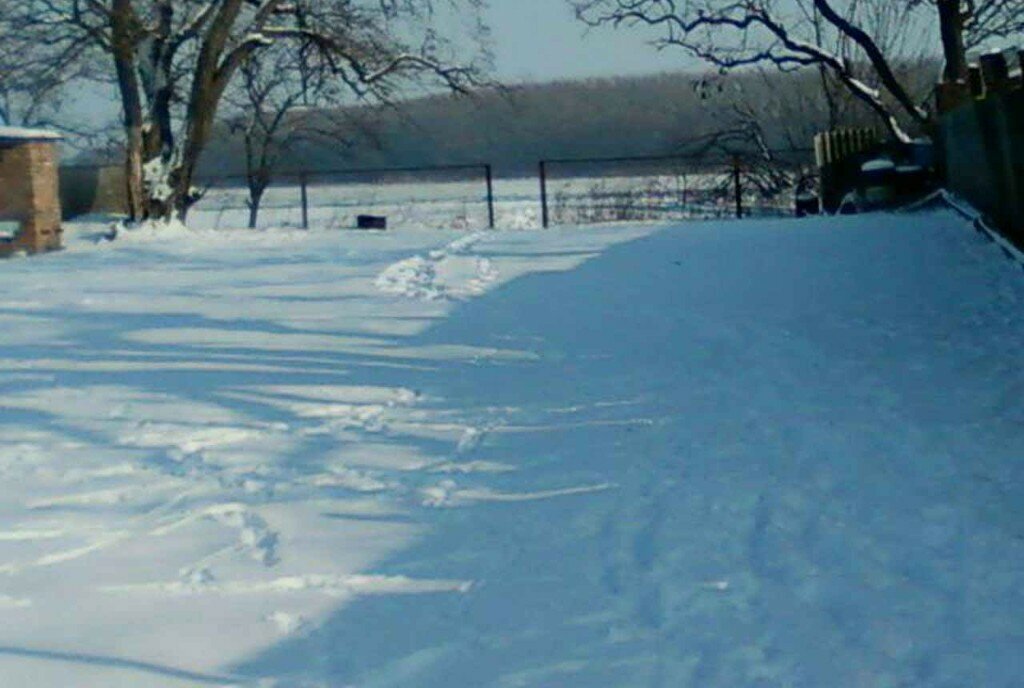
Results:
[9, 135]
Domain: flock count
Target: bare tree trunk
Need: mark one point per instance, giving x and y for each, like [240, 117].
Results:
[258, 179]
[951, 21]
[131, 103]
[162, 89]
[210, 80]
[202, 111]
[133, 172]
[255, 198]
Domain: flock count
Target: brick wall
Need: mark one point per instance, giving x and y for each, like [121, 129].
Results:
[29, 196]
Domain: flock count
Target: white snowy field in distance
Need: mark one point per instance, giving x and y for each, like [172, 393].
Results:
[719, 454]
[462, 204]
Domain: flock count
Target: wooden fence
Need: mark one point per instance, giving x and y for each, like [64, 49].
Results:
[981, 141]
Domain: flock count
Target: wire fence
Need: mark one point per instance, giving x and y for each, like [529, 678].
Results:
[571, 192]
[453, 196]
[671, 187]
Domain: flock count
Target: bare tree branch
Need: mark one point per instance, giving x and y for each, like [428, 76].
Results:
[861, 44]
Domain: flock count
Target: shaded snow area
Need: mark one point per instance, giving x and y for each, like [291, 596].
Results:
[746, 454]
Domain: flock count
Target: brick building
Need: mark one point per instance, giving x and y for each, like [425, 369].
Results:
[29, 199]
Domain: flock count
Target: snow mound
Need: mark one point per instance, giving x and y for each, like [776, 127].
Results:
[414, 278]
[443, 273]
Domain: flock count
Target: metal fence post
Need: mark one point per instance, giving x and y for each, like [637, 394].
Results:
[545, 220]
[738, 186]
[304, 186]
[490, 195]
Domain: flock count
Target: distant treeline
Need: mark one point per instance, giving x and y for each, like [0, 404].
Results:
[512, 128]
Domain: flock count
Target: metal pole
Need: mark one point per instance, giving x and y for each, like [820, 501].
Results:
[303, 184]
[738, 186]
[490, 196]
[544, 194]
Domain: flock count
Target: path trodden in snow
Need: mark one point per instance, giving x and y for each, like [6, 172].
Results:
[720, 455]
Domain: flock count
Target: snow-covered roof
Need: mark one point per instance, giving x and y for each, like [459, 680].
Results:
[16, 134]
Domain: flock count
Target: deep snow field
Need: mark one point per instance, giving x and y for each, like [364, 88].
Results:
[756, 454]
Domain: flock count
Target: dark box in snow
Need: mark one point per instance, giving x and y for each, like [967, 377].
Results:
[807, 204]
[371, 222]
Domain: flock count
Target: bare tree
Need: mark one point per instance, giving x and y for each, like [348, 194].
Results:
[972, 25]
[175, 59]
[991, 21]
[272, 88]
[762, 170]
[286, 96]
[858, 43]
[790, 108]
[36, 80]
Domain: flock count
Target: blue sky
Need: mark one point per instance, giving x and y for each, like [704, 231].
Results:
[540, 40]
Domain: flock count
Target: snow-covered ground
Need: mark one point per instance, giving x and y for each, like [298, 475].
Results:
[757, 454]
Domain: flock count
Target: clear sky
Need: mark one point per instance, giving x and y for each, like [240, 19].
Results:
[540, 40]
